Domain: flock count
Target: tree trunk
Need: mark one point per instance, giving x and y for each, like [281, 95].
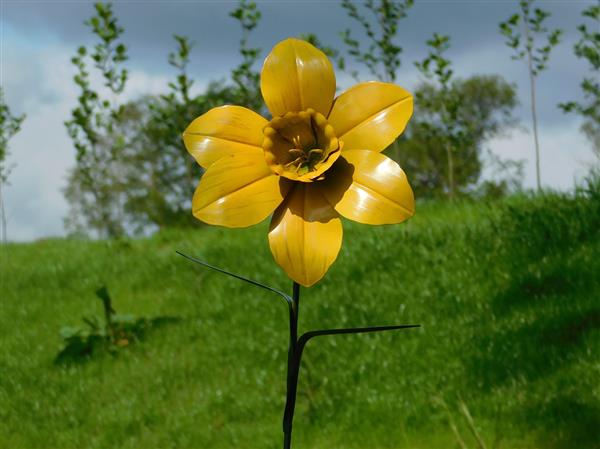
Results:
[450, 171]
[533, 112]
[2, 215]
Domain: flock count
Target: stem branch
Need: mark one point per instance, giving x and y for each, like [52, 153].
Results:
[294, 354]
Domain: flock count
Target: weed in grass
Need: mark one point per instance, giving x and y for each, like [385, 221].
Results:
[118, 331]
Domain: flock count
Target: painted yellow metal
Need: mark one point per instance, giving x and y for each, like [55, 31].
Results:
[297, 76]
[224, 131]
[305, 235]
[300, 146]
[370, 116]
[370, 188]
[237, 191]
[315, 160]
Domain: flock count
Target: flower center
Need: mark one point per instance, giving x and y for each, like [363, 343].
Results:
[300, 145]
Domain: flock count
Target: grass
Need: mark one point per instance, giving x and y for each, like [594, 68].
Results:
[507, 293]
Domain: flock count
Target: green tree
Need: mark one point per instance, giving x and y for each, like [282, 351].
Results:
[379, 21]
[588, 48]
[443, 107]
[523, 32]
[161, 195]
[95, 189]
[162, 176]
[9, 125]
[485, 110]
[160, 180]
[382, 56]
[245, 76]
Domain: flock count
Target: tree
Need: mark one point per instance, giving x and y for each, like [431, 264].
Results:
[442, 107]
[9, 126]
[162, 176]
[588, 48]
[523, 31]
[245, 77]
[133, 172]
[382, 57]
[95, 189]
[485, 111]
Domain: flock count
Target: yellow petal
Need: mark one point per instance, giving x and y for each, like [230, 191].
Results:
[237, 191]
[224, 131]
[305, 235]
[297, 76]
[369, 187]
[371, 115]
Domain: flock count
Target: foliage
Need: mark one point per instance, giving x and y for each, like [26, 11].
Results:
[161, 176]
[588, 48]
[9, 126]
[531, 20]
[245, 77]
[525, 45]
[483, 107]
[505, 177]
[506, 293]
[118, 331]
[133, 173]
[95, 185]
[444, 107]
[382, 56]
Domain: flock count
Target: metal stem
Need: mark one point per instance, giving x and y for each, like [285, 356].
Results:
[296, 349]
[293, 369]
[297, 345]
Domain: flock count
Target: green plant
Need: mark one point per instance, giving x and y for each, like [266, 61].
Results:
[160, 174]
[436, 66]
[522, 32]
[117, 331]
[95, 190]
[9, 126]
[245, 77]
[382, 56]
[588, 48]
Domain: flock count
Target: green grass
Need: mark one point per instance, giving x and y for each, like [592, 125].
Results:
[507, 293]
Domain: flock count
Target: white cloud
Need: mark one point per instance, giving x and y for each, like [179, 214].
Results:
[565, 154]
[40, 84]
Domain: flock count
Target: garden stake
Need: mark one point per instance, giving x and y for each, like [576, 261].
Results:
[297, 345]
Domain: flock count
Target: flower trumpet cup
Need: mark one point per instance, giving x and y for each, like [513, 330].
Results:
[317, 159]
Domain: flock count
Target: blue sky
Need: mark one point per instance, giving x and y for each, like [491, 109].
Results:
[39, 37]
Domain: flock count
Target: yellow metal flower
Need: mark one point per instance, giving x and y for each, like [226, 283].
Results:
[319, 158]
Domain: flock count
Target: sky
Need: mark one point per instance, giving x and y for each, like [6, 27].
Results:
[38, 38]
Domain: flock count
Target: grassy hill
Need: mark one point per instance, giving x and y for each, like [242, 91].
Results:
[507, 293]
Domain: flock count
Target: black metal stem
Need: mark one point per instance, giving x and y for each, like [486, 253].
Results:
[297, 345]
[285, 297]
[293, 369]
[296, 349]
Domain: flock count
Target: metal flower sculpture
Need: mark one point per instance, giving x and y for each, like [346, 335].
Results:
[317, 159]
